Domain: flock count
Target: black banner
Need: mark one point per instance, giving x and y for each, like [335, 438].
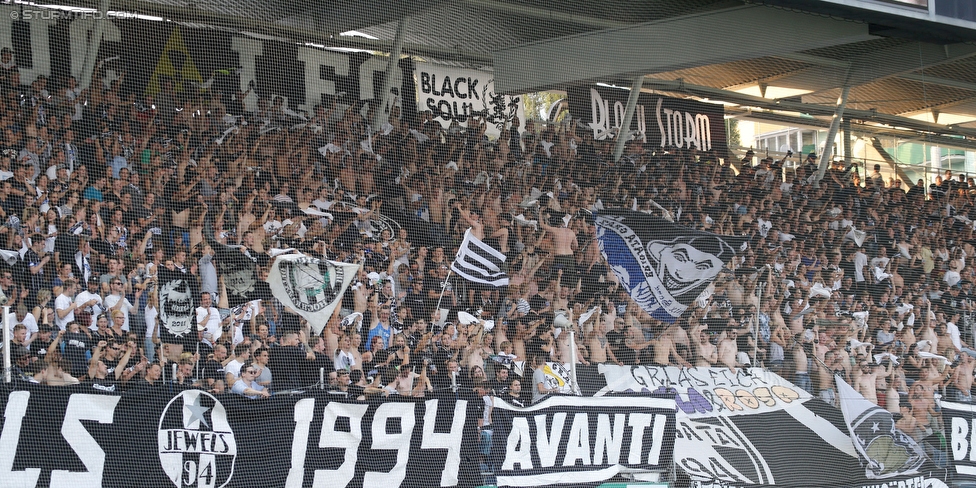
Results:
[581, 440]
[659, 121]
[960, 429]
[157, 436]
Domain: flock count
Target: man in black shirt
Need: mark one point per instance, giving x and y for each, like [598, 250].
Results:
[213, 368]
[288, 361]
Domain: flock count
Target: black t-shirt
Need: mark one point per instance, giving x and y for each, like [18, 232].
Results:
[213, 370]
[76, 344]
[287, 363]
[311, 374]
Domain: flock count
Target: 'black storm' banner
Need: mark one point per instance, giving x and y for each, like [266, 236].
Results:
[658, 120]
[574, 441]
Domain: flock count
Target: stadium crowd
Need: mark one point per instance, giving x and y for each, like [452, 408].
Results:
[103, 189]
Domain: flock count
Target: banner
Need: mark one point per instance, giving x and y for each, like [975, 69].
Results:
[748, 427]
[663, 266]
[155, 436]
[145, 51]
[454, 94]
[574, 441]
[238, 266]
[960, 428]
[660, 121]
[705, 392]
[310, 286]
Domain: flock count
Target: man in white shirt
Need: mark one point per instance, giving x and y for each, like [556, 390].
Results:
[208, 320]
[64, 306]
[860, 261]
[118, 301]
[85, 297]
[232, 370]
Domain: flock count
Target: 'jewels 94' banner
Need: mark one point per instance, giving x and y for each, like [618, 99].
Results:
[574, 441]
[80, 437]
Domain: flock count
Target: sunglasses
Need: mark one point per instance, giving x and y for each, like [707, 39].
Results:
[252, 371]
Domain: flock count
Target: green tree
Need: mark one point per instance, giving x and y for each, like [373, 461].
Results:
[537, 105]
[732, 133]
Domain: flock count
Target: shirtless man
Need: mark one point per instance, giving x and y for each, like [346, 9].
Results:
[564, 245]
[665, 354]
[867, 381]
[599, 346]
[825, 377]
[962, 379]
[706, 353]
[928, 334]
[728, 349]
[801, 366]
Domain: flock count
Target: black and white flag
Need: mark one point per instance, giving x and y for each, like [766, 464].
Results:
[663, 266]
[479, 262]
[177, 321]
[885, 451]
[310, 286]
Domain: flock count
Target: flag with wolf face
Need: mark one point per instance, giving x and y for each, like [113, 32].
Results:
[663, 266]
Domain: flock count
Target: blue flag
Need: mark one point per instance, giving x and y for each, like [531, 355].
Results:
[663, 266]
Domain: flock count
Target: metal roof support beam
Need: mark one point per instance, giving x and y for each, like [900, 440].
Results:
[380, 114]
[665, 45]
[832, 134]
[679, 86]
[932, 80]
[895, 61]
[624, 135]
[523, 10]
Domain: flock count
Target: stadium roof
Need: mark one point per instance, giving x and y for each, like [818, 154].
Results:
[899, 61]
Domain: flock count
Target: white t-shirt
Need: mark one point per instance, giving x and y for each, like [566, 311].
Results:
[110, 302]
[212, 327]
[63, 302]
[97, 308]
[151, 313]
[29, 321]
[953, 331]
[234, 368]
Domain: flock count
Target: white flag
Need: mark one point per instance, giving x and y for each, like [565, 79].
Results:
[479, 262]
[885, 451]
[311, 287]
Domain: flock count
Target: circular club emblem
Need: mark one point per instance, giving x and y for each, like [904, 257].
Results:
[196, 444]
[311, 284]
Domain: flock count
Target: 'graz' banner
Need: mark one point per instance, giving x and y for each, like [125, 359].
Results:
[78, 436]
[960, 427]
[576, 441]
[748, 427]
[659, 121]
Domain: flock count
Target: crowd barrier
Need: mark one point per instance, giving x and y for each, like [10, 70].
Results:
[638, 422]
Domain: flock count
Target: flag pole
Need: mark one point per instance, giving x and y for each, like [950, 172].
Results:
[572, 361]
[450, 269]
[762, 288]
